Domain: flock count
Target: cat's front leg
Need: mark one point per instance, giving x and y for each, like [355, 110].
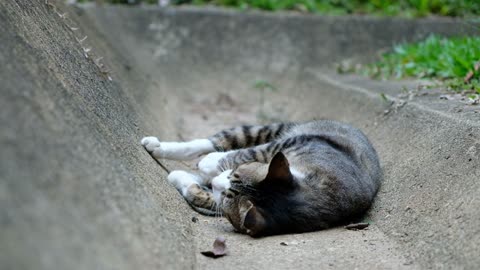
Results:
[177, 150]
[211, 164]
[183, 180]
[190, 186]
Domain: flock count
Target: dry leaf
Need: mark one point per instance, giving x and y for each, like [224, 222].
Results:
[219, 249]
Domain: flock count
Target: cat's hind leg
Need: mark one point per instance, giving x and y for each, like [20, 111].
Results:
[190, 186]
[228, 139]
[248, 136]
[177, 150]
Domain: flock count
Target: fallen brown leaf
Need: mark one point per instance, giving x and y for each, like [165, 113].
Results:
[219, 249]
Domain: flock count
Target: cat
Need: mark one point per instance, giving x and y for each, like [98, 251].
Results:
[278, 178]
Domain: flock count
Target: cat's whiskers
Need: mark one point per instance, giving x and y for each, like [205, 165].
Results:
[216, 216]
[212, 208]
[221, 217]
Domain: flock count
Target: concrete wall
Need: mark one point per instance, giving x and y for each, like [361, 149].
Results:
[218, 38]
[76, 191]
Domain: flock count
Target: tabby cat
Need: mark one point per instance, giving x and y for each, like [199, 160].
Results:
[278, 178]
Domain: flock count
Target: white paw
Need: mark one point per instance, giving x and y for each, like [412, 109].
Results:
[220, 184]
[150, 143]
[209, 164]
[156, 148]
[182, 180]
[177, 150]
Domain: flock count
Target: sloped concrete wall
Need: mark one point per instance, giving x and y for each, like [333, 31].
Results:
[76, 190]
[245, 41]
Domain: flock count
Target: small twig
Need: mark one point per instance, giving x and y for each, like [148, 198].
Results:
[468, 77]
[471, 73]
[357, 226]
[82, 39]
[63, 16]
[50, 5]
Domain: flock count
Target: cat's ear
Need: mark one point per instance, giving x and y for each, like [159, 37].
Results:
[279, 170]
[253, 220]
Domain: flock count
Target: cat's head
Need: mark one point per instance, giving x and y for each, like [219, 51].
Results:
[256, 202]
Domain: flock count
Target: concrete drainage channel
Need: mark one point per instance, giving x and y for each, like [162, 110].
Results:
[78, 192]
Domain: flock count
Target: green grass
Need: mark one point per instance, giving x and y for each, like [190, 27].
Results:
[406, 8]
[446, 59]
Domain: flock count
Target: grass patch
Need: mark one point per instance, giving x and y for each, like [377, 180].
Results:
[453, 61]
[405, 8]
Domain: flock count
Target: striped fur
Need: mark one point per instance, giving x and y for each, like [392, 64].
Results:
[288, 177]
[340, 176]
[248, 136]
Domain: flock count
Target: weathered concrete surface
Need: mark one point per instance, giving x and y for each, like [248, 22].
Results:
[426, 213]
[77, 191]
[258, 40]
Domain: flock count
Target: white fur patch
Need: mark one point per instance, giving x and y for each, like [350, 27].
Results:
[297, 174]
[209, 164]
[220, 184]
[177, 150]
[150, 143]
[182, 180]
